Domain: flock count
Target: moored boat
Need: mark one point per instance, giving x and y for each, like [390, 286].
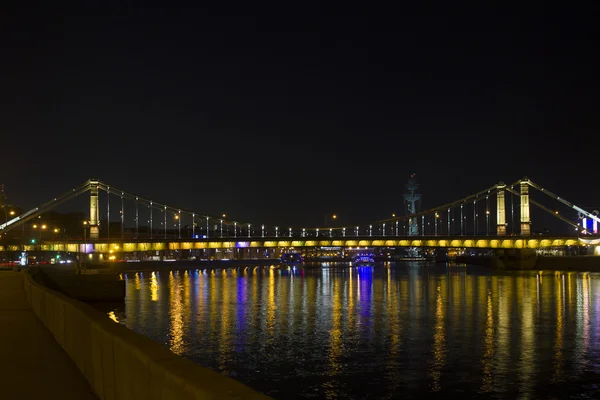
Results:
[291, 258]
[363, 259]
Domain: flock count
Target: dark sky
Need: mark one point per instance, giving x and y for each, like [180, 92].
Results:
[291, 113]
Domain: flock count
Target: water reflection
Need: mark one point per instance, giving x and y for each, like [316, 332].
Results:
[154, 286]
[363, 331]
[176, 313]
[487, 373]
[439, 338]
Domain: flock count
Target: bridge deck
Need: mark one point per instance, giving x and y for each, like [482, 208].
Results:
[32, 364]
[159, 244]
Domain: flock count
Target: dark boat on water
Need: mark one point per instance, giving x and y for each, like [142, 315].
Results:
[363, 259]
[292, 258]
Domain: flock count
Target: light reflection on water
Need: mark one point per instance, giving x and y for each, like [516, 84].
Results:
[378, 332]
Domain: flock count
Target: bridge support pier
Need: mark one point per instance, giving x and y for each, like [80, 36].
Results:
[525, 219]
[93, 222]
[501, 210]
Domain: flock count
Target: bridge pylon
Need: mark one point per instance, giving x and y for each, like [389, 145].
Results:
[500, 210]
[525, 218]
[93, 222]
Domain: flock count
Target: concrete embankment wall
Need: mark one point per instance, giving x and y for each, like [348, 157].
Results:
[121, 364]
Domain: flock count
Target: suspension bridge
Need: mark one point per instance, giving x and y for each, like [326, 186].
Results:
[480, 220]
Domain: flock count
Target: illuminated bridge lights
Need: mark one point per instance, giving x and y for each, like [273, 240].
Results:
[442, 242]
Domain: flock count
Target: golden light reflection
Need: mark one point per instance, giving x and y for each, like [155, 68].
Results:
[112, 316]
[569, 291]
[283, 296]
[138, 284]
[224, 340]
[271, 305]
[153, 287]
[213, 289]
[256, 316]
[176, 331]
[527, 359]
[504, 328]
[201, 300]
[439, 342]
[497, 329]
[488, 348]
[558, 344]
[585, 310]
[335, 334]
[351, 319]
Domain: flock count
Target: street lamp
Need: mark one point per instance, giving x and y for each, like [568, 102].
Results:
[326, 219]
[85, 223]
[6, 215]
[43, 227]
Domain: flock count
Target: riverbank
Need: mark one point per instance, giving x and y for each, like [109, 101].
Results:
[116, 362]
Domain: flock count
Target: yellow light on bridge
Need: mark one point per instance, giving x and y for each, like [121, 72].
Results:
[12, 213]
[55, 230]
[43, 226]
[334, 216]
[34, 226]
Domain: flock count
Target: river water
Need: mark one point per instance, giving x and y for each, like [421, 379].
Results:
[404, 331]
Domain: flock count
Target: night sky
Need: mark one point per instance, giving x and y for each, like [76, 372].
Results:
[287, 114]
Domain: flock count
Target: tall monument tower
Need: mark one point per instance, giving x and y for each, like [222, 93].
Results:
[410, 199]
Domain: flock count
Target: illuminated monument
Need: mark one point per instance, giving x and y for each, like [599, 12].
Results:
[410, 199]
